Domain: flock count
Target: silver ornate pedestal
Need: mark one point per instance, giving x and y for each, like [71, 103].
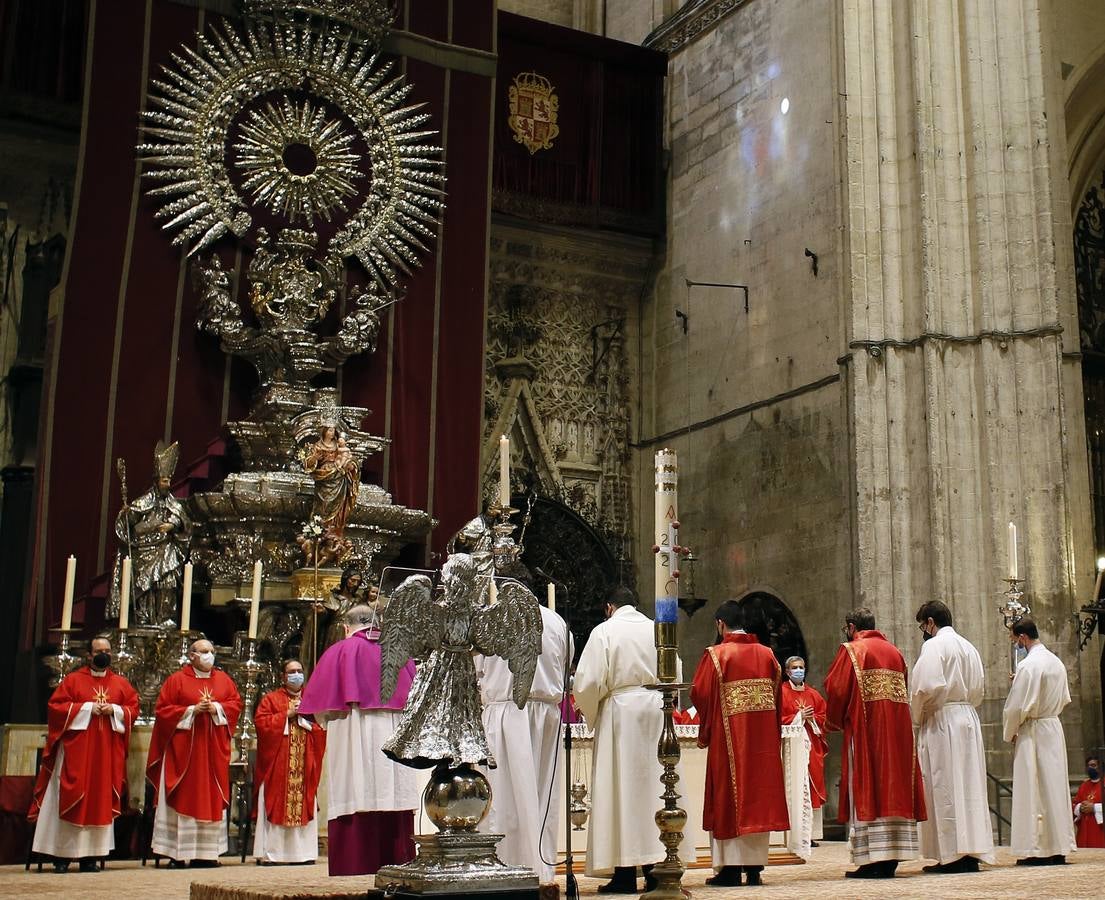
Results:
[458, 861]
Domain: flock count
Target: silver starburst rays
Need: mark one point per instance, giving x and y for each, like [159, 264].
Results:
[249, 114]
[296, 161]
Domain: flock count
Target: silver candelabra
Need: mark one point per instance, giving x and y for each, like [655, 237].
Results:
[1012, 611]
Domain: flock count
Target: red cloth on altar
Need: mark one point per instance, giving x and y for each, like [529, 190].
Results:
[1087, 832]
[736, 693]
[793, 701]
[94, 768]
[288, 765]
[196, 760]
[868, 699]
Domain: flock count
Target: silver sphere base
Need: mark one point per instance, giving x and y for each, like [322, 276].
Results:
[459, 860]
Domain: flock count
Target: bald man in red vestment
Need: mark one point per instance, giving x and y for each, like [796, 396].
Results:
[80, 784]
[189, 761]
[880, 781]
[736, 693]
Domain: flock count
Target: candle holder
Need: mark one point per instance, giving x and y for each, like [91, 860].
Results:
[672, 819]
[247, 733]
[62, 662]
[578, 810]
[125, 661]
[187, 638]
[1012, 611]
[504, 551]
[244, 738]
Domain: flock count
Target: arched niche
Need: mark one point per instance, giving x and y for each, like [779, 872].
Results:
[771, 620]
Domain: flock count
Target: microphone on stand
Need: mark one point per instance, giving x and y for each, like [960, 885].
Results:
[571, 891]
[541, 573]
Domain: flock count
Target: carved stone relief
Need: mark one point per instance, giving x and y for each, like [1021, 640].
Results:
[558, 380]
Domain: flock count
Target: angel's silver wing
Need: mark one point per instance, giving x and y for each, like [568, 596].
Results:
[511, 629]
[413, 626]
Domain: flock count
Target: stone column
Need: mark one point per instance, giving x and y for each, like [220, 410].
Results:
[958, 306]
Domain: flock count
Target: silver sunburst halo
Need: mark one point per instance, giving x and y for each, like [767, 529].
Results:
[194, 106]
[330, 165]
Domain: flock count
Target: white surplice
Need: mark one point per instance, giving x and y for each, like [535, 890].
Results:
[619, 659]
[526, 782]
[1042, 823]
[359, 777]
[946, 686]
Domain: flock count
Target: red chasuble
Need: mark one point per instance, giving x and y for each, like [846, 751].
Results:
[196, 760]
[867, 698]
[736, 693]
[1087, 832]
[793, 701]
[94, 768]
[288, 765]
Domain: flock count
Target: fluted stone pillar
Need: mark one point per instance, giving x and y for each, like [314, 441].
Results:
[959, 305]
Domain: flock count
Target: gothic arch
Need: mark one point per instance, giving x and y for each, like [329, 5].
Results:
[561, 543]
[771, 620]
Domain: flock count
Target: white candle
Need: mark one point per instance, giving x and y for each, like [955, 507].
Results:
[504, 471]
[255, 600]
[1012, 550]
[70, 583]
[124, 595]
[492, 594]
[186, 599]
[666, 516]
[551, 593]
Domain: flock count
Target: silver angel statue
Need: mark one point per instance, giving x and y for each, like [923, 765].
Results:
[155, 531]
[441, 722]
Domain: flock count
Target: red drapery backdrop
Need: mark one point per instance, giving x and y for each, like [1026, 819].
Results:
[131, 367]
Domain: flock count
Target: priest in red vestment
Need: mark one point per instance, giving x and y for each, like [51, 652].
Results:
[1089, 830]
[289, 765]
[880, 781]
[189, 761]
[801, 699]
[79, 790]
[736, 693]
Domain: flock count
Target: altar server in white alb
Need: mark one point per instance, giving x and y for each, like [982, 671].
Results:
[1043, 829]
[616, 664]
[526, 783]
[946, 686]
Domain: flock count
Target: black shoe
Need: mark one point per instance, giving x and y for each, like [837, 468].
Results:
[1057, 860]
[960, 866]
[203, 864]
[1034, 861]
[90, 865]
[651, 883]
[177, 864]
[61, 866]
[728, 876]
[872, 870]
[814, 844]
[752, 875]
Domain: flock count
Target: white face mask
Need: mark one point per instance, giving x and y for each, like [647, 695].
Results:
[207, 659]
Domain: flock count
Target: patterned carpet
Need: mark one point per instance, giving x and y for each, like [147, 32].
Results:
[1083, 877]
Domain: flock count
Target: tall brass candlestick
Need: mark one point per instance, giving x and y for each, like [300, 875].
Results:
[672, 818]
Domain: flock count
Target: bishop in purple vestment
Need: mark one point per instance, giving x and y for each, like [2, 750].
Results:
[370, 799]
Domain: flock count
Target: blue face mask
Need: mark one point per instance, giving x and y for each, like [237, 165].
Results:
[797, 675]
[295, 679]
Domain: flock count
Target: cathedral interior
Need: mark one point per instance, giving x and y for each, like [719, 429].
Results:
[846, 258]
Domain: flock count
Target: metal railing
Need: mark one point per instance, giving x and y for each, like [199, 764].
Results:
[999, 790]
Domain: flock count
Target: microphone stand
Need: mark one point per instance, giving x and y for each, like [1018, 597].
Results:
[571, 888]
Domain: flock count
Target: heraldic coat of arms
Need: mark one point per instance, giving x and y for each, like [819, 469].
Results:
[533, 107]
